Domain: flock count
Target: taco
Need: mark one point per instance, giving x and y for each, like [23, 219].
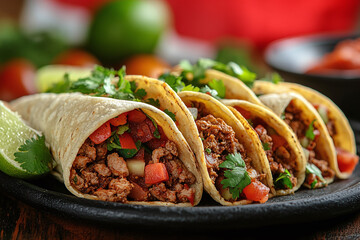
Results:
[224, 81]
[115, 150]
[283, 150]
[312, 134]
[233, 165]
[336, 122]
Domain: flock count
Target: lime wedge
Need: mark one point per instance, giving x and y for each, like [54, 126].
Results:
[49, 75]
[13, 134]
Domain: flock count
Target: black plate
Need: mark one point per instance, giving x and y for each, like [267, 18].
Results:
[341, 197]
[292, 57]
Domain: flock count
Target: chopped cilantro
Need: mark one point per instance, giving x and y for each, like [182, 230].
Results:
[34, 156]
[219, 86]
[236, 176]
[273, 77]
[208, 150]
[283, 180]
[101, 83]
[170, 114]
[266, 146]
[310, 131]
[153, 102]
[313, 169]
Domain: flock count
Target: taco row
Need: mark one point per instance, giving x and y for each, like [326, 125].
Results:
[242, 149]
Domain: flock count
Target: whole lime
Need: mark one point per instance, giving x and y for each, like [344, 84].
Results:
[122, 28]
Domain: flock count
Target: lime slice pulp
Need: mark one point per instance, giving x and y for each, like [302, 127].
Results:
[13, 133]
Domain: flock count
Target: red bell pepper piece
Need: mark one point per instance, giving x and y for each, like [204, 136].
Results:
[101, 134]
[126, 141]
[136, 116]
[119, 120]
[155, 173]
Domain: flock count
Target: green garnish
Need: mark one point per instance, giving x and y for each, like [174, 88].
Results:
[219, 86]
[283, 180]
[170, 114]
[208, 150]
[266, 146]
[310, 131]
[34, 156]
[156, 132]
[114, 143]
[153, 102]
[313, 169]
[101, 83]
[273, 77]
[236, 176]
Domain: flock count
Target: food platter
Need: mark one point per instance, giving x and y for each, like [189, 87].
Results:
[339, 198]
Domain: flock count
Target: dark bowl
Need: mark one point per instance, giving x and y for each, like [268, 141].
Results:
[293, 56]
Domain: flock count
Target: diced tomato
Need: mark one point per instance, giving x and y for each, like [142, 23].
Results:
[346, 160]
[257, 191]
[126, 141]
[277, 141]
[245, 113]
[316, 106]
[101, 134]
[136, 116]
[119, 120]
[155, 173]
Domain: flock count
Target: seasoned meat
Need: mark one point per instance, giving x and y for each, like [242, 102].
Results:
[160, 192]
[117, 165]
[178, 172]
[81, 162]
[167, 152]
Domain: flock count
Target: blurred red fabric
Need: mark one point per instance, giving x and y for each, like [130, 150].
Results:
[261, 21]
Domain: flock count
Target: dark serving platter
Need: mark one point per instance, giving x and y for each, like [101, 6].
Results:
[339, 198]
[293, 56]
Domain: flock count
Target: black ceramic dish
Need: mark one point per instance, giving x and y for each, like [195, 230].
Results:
[292, 57]
[340, 197]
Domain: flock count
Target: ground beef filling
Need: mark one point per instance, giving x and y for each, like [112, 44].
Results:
[280, 159]
[294, 120]
[105, 174]
[219, 140]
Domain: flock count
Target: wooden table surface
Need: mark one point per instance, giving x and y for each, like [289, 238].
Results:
[21, 221]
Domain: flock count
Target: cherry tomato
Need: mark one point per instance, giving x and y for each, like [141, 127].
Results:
[346, 160]
[17, 78]
[76, 57]
[147, 65]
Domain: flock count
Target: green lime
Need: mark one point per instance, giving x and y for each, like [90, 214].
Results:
[14, 135]
[49, 75]
[122, 28]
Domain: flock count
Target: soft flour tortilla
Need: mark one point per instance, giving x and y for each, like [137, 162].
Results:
[67, 120]
[253, 148]
[344, 136]
[325, 146]
[275, 122]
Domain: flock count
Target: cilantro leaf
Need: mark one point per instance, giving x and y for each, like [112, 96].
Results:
[310, 131]
[219, 86]
[175, 82]
[34, 156]
[236, 176]
[273, 77]
[266, 146]
[283, 180]
[153, 102]
[313, 169]
[170, 114]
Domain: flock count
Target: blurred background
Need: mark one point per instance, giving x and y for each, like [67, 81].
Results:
[152, 35]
